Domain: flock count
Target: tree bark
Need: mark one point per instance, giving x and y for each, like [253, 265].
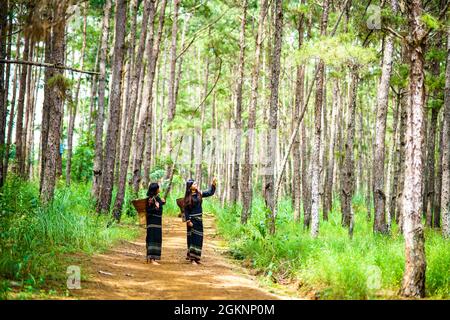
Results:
[298, 104]
[172, 63]
[379, 193]
[328, 186]
[147, 20]
[238, 110]
[431, 145]
[445, 193]
[247, 168]
[3, 85]
[348, 174]
[114, 107]
[315, 174]
[270, 193]
[99, 120]
[20, 160]
[55, 87]
[413, 284]
[74, 106]
[145, 126]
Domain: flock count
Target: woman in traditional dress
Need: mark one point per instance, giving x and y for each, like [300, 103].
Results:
[154, 223]
[193, 214]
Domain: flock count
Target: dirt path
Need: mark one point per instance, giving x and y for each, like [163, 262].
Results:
[216, 278]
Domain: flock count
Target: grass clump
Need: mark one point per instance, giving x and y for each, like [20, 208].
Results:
[332, 266]
[34, 238]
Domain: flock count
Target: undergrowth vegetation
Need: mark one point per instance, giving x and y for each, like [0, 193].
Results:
[333, 266]
[34, 238]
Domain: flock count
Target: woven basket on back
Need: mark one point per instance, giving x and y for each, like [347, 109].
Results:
[140, 205]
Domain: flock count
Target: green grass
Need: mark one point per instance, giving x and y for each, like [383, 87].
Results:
[34, 240]
[333, 266]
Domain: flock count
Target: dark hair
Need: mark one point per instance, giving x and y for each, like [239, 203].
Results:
[152, 189]
[188, 201]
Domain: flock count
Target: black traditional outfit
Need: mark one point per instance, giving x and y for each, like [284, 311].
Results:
[154, 226]
[195, 233]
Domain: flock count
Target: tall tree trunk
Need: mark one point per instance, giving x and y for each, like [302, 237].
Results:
[20, 160]
[145, 126]
[74, 106]
[379, 193]
[445, 193]
[147, 20]
[402, 153]
[298, 104]
[238, 110]
[392, 180]
[413, 284]
[172, 64]
[99, 120]
[328, 185]
[270, 194]
[56, 93]
[431, 146]
[438, 184]
[11, 113]
[348, 174]
[200, 135]
[247, 190]
[315, 160]
[3, 85]
[306, 177]
[114, 107]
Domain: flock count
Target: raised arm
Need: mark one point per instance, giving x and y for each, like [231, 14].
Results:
[209, 192]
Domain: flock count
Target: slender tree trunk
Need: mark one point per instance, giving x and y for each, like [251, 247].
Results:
[392, 180]
[3, 85]
[20, 164]
[306, 177]
[74, 106]
[114, 107]
[11, 117]
[172, 63]
[147, 19]
[145, 126]
[413, 284]
[99, 120]
[199, 157]
[379, 193]
[445, 193]
[348, 174]
[438, 185]
[298, 104]
[328, 185]
[247, 168]
[55, 106]
[431, 145]
[270, 194]
[315, 161]
[238, 110]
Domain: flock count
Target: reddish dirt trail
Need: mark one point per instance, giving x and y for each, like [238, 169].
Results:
[175, 278]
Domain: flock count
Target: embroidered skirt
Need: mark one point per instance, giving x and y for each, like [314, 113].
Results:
[154, 236]
[195, 238]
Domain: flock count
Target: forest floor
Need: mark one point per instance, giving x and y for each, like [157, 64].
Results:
[122, 273]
